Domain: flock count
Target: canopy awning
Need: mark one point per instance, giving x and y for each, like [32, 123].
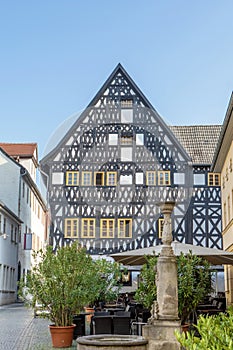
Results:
[137, 256]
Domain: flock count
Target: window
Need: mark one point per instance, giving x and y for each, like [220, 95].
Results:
[164, 178]
[127, 116]
[72, 178]
[88, 228]
[126, 140]
[99, 179]
[126, 154]
[86, 178]
[12, 233]
[139, 178]
[124, 228]
[126, 179]
[213, 179]
[126, 103]
[151, 178]
[71, 228]
[113, 139]
[160, 228]
[139, 139]
[111, 178]
[107, 228]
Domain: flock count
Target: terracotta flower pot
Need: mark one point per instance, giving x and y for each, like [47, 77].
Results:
[62, 337]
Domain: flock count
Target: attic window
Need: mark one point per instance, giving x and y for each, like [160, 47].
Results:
[126, 103]
[126, 140]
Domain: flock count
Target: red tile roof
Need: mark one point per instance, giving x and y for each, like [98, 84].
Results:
[23, 150]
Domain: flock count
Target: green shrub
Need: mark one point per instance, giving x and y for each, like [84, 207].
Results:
[194, 283]
[215, 333]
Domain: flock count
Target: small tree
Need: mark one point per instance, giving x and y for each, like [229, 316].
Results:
[194, 283]
[108, 286]
[65, 282]
[147, 291]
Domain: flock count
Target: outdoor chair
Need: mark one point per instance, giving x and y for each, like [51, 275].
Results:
[122, 313]
[121, 325]
[101, 313]
[102, 324]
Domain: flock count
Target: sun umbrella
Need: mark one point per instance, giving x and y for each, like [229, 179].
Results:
[137, 256]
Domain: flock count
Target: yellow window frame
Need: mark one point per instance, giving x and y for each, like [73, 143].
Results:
[83, 177]
[108, 178]
[107, 228]
[164, 178]
[71, 228]
[214, 179]
[125, 228]
[88, 228]
[151, 178]
[102, 178]
[72, 178]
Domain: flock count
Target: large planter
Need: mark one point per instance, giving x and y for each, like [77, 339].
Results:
[62, 337]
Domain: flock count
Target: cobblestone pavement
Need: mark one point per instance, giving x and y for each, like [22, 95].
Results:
[19, 330]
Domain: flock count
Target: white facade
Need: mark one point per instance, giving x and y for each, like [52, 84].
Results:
[19, 193]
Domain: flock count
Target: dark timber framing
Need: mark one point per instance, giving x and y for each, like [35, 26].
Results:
[122, 161]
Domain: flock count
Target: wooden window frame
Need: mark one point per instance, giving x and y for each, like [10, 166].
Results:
[108, 228]
[86, 173]
[126, 140]
[102, 178]
[160, 227]
[124, 221]
[164, 178]
[88, 235]
[214, 179]
[126, 103]
[72, 225]
[148, 180]
[108, 175]
[71, 175]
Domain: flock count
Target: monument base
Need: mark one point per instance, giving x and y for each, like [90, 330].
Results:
[160, 335]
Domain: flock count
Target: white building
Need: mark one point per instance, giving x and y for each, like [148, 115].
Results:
[19, 193]
[9, 236]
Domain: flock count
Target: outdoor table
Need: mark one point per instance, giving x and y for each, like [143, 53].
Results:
[115, 309]
[139, 327]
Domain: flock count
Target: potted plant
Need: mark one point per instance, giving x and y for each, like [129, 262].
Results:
[63, 283]
[194, 283]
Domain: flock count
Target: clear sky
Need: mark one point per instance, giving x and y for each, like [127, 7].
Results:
[56, 54]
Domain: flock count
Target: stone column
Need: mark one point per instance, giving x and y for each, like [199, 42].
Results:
[164, 320]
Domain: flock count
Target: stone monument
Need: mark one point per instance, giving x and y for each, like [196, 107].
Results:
[164, 319]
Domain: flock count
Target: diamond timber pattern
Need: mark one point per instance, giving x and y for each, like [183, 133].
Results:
[121, 111]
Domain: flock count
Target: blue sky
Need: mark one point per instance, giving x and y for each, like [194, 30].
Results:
[56, 54]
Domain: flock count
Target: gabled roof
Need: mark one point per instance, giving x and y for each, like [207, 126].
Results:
[141, 100]
[225, 139]
[199, 141]
[21, 150]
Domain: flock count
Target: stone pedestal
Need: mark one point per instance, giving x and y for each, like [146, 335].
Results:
[160, 335]
[164, 320]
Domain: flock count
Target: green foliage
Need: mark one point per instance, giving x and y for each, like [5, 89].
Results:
[194, 283]
[65, 282]
[108, 275]
[147, 291]
[215, 333]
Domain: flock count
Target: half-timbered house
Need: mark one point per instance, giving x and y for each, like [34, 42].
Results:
[109, 174]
